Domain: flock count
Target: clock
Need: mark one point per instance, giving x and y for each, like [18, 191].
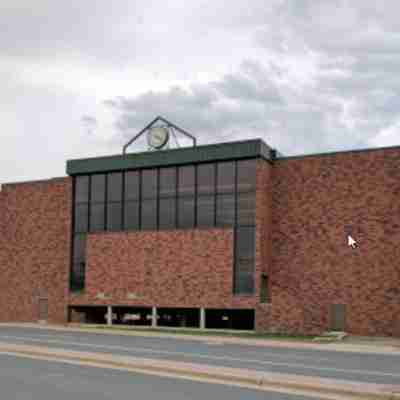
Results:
[158, 137]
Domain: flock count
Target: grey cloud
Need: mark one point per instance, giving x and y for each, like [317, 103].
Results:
[89, 122]
[236, 107]
[353, 50]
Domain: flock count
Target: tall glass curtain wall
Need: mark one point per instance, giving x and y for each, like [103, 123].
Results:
[204, 195]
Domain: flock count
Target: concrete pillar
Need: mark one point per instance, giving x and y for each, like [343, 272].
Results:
[154, 317]
[202, 318]
[109, 315]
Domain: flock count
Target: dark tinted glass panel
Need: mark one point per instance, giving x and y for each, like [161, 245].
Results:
[167, 182]
[226, 210]
[78, 276]
[79, 248]
[97, 219]
[245, 260]
[246, 175]
[245, 243]
[114, 187]
[132, 185]
[82, 189]
[246, 214]
[244, 277]
[114, 216]
[149, 214]
[186, 212]
[226, 177]
[186, 180]
[81, 218]
[98, 188]
[149, 184]
[131, 215]
[206, 211]
[206, 178]
[167, 213]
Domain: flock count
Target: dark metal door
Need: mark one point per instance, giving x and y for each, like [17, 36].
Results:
[338, 317]
[43, 309]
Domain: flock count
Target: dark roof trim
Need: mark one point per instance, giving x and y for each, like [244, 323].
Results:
[334, 153]
[36, 181]
[187, 155]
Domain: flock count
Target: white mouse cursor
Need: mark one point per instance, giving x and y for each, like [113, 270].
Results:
[351, 242]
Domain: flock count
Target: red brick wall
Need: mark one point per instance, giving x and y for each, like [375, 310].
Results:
[314, 198]
[34, 249]
[303, 207]
[263, 232]
[180, 268]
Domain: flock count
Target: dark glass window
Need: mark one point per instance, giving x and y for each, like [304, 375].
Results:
[245, 260]
[226, 177]
[246, 242]
[247, 173]
[79, 248]
[225, 210]
[186, 212]
[132, 191]
[149, 184]
[98, 188]
[114, 187]
[149, 214]
[167, 213]
[246, 208]
[81, 218]
[81, 222]
[78, 276]
[206, 210]
[206, 178]
[166, 198]
[186, 180]
[114, 216]
[97, 219]
[245, 277]
[82, 189]
[167, 182]
[131, 215]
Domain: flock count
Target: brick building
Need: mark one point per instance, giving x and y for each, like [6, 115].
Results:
[231, 235]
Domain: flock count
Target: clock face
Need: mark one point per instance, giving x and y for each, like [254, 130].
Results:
[158, 137]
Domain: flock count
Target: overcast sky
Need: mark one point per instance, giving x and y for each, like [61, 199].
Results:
[80, 78]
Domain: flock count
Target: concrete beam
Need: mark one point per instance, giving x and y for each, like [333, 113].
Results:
[109, 315]
[202, 318]
[154, 317]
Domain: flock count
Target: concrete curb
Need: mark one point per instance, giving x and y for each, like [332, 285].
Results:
[328, 388]
[337, 347]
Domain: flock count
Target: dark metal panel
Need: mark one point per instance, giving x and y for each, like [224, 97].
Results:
[43, 309]
[215, 152]
[338, 317]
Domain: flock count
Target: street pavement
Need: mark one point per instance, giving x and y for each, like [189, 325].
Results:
[26, 379]
[372, 368]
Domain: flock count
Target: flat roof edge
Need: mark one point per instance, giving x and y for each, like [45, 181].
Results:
[215, 152]
[334, 153]
[34, 181]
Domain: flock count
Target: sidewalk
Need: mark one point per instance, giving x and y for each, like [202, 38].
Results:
[352, 344]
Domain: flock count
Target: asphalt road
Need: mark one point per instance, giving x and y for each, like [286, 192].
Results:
[371, 368]
[25, 379]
